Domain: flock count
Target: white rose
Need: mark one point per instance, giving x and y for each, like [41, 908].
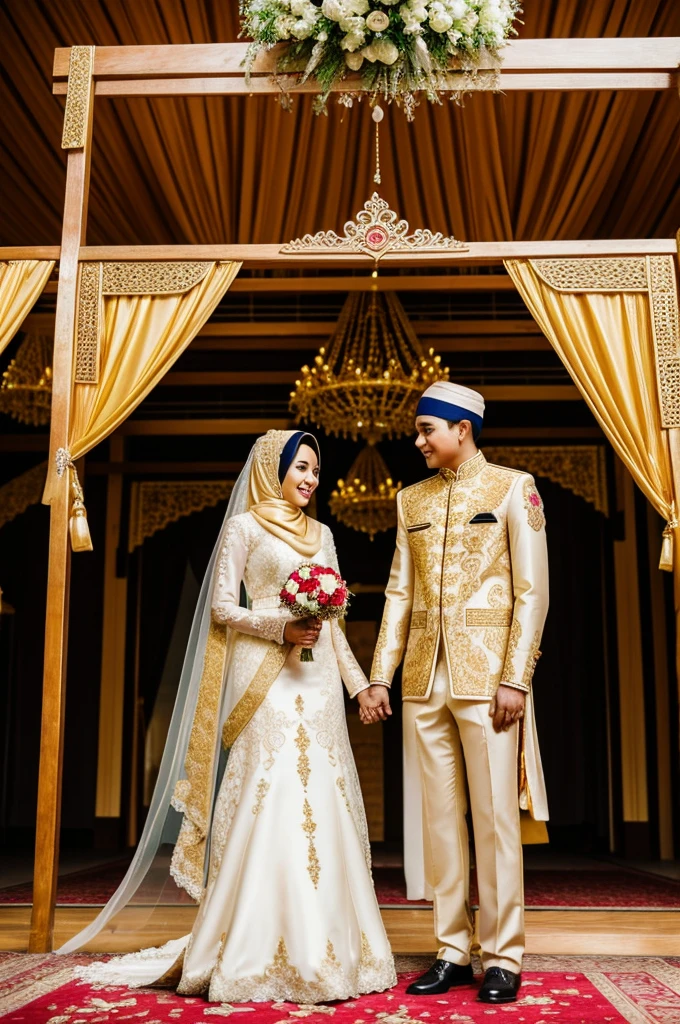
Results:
[292, 587]
[301, 599]
[305, 572]
[385, 51]
[283, 25]
[354, 61]
[328, 583]
[441, 22]
[457, 9]
[357, 6]
[302, 29]
[352, 41]
[332, 9]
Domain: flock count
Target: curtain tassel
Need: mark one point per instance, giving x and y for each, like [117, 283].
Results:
[78, 525]
[668, 544]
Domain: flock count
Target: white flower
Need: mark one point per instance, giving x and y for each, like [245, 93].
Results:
[292, 587]
[353, 61]
[302, 599]
[385, 51]
[305, 572]
[302, 29]
[440, 21]
[284, 25]
[332, 9]
[457, 9]
[328, 583]
[352, 41]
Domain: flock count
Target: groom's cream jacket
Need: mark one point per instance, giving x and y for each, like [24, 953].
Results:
[470, 572]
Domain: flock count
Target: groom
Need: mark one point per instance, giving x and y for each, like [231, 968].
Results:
[466, 601]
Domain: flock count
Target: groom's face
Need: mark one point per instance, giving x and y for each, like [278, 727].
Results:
[439, 442]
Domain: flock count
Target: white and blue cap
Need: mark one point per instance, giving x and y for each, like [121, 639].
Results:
[453, 402]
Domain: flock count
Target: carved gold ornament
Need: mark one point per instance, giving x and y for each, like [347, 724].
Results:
[367, 380]
[375, 232]
[154, 504]
[581, 469]
[367, 500]
[78, 97]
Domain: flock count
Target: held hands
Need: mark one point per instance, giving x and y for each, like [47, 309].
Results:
[507, 707]
[374, 704]
[302, 632]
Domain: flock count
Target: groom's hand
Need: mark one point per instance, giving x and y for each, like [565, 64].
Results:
[507, 707]
[374, 704]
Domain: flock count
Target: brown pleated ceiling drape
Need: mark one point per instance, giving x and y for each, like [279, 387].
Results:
[515, 166]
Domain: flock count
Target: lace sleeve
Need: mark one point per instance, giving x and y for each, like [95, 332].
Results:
[352, 674]
[225, 603]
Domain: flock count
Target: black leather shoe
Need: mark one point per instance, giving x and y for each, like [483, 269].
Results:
[440, 978]
[499, 986]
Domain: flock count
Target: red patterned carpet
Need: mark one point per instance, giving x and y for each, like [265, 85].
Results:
[611, 888]
[567, 990]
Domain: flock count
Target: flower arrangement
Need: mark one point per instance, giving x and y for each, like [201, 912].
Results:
[314, 591]
[400, 47]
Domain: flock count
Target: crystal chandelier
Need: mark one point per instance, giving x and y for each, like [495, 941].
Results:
[367, 380]
[26, 388]
[366, 501]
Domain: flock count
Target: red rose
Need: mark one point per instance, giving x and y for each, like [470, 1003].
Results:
[316, 570]
[323, 598]
[338, 598]
[308, 586]
[296, 576]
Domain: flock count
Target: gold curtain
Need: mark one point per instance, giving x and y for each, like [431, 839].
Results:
[140, 339]
[21, 282]
[605, 340]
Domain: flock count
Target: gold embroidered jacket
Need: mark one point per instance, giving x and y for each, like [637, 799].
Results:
[470, 571]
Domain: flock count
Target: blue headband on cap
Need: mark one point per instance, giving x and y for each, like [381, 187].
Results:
[448, 411]
[290, 450]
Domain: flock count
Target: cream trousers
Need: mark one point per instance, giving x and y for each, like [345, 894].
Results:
[455, 738]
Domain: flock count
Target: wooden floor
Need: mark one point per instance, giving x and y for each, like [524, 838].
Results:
[610, 932]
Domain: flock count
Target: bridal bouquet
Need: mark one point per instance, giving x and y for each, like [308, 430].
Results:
[314, 591]
[400, 47]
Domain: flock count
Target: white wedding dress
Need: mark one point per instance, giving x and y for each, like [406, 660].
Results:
[289, 911]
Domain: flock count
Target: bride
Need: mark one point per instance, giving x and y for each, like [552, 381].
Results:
[274, 845]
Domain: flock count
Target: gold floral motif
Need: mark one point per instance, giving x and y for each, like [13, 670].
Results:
[152, 278]
[88, 323]
[154, 504]
[281, 981]
[300, 705]
[302, 742]
[581, 469]
[532, 657]
[488, 617]
[309, 828]
[534, 506]
[260, 794]
[78, 97]
[419, 620]
[513, 643]
[340, 783]
[598, 274]
[247, 705]
[496, 640]
[663, 298]
[470, 673]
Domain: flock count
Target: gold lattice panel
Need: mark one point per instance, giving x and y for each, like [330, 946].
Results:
[154, 504]
[78, 97]
[578, 468]
[663, 297]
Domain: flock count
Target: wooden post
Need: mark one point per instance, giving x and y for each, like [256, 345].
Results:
[674, 445]
[58, 578]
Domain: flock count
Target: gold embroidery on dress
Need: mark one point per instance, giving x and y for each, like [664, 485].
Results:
[340, 783]
[260, 793]
[309, 828]
[513, 642]
[302, 743]
[247, 705]
[488, 617]
[534, 506]
[299, 704]
[532, 657]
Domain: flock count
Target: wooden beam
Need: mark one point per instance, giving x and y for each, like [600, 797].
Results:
[384, 283]
[547, 81]
[613, 54]
[264, 256]
[59, 563]
[30, 252]
[161, 468]
[454, 343]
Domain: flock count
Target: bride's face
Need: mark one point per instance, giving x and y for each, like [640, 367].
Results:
[302, 478]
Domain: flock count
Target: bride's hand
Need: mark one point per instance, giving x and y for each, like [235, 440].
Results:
[302, 632]
[374, 704]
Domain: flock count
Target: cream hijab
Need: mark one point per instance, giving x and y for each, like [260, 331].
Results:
[266, 502]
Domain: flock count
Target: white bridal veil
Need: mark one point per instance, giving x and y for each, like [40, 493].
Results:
[148, 895]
